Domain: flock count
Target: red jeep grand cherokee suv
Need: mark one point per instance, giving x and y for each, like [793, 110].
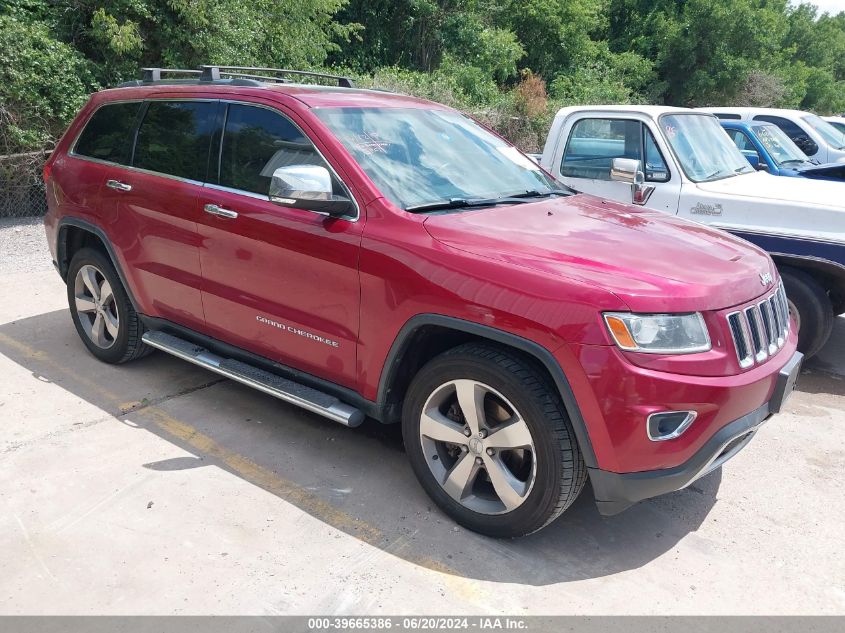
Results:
[359, 253]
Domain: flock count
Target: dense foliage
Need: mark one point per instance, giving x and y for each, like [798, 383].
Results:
[510, 62]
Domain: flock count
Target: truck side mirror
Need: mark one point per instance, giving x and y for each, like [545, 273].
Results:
[630, 170]
[626, 170]
[752, 157]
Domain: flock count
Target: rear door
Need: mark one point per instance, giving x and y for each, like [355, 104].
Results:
[594, 141]
[279, 281]
[154, 207]
[102, 151]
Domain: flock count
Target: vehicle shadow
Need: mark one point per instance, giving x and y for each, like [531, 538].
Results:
[356, 480]
[831, 359]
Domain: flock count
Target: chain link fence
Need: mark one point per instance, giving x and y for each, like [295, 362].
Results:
[21, 185]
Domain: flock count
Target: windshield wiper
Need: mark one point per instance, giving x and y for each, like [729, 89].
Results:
[460, 203]
[454, 203]
[800, 161]
[534, 193]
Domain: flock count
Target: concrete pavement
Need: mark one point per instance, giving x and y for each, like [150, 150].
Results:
[157, 488]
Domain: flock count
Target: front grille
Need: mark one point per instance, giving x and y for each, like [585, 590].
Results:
[760, 330]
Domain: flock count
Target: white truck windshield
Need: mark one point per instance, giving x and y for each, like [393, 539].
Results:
[702, 147]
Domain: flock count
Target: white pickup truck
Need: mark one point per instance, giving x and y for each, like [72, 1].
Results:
[681, 162]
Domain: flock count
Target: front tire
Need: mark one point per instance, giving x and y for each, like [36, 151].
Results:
[102, 313]
[490, 441]
[811, 308]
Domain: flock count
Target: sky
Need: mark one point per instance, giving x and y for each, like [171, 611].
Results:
[831, 6]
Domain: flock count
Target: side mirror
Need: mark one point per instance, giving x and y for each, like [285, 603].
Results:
[308, 187]
[752, 157]
[626, 170]
[630, 170]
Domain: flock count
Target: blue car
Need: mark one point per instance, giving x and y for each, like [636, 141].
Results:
[769, 149]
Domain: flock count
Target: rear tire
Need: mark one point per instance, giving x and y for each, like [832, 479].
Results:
[102, 313]
[496, 482]
[810, 305]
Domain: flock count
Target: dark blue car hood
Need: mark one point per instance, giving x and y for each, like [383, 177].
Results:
[829, 171]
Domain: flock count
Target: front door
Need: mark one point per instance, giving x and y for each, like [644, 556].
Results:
[279, 281]
[592, 144]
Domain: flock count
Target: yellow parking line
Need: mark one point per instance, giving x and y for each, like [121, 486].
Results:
[263, 477]
[245, 468]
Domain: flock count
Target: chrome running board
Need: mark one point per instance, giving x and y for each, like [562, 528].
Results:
[272, 384]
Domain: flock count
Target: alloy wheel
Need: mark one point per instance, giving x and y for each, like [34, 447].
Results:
[478, 447]
[95, 306]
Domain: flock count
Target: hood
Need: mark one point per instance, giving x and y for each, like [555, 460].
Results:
[763, 186]
[652, 261]
[832, 171]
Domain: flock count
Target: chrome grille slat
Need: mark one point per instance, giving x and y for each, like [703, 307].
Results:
[760, 330]
[783, 305]
[739, 331]
[777, 325]
[759, 339]
[770, 325]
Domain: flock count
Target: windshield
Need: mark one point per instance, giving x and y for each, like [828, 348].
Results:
[702, 147]
[421, 157]
[779, 145]
[830, 134]
[839, 125]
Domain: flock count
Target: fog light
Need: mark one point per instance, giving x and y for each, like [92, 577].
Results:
[667, 425]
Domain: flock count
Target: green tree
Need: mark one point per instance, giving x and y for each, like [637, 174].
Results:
[43, 83]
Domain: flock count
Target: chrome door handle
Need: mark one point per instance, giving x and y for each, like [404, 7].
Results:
[117, 185]
[213, 209]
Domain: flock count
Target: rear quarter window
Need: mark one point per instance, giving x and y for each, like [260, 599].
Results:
[108, 133]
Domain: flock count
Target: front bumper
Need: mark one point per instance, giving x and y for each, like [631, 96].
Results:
[614, 492]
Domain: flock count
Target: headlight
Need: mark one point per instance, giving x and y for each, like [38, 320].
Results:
[658, 333]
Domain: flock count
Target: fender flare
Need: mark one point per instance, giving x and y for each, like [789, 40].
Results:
[85, 225]
[813, 255]
[535, 350]
[810, 264]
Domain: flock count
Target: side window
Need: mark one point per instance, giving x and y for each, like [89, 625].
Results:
[741, 140]
[655, 167]
[175, 136]
[256, 142]
[594, 143]
[108, 134]
[793, 131]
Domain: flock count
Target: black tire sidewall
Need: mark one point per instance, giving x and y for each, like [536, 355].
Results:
[117, 352]
[814, 306]
[535, 511]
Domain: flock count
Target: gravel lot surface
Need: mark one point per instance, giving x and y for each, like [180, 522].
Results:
[156, 487]
[23, 246]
